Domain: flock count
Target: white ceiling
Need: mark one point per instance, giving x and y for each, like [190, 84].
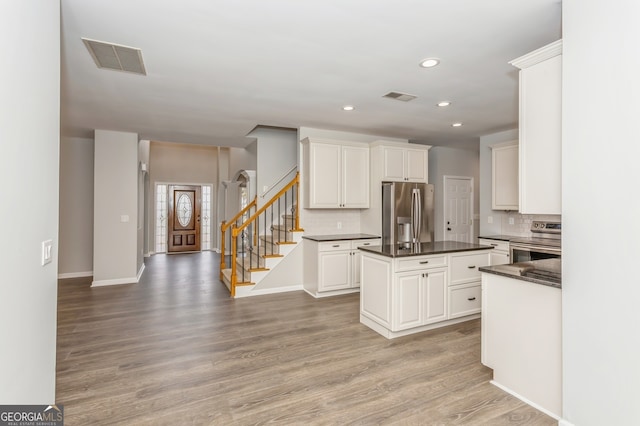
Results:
[218, 68]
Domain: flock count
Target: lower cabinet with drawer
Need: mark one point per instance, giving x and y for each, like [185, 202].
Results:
[333, 267]
[412, 294]
[500, 253]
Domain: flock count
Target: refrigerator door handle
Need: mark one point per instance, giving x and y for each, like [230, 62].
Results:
[416, 214]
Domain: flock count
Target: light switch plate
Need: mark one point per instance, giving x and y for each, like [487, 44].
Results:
[47, 252]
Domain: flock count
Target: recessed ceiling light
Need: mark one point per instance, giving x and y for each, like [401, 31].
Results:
[456, 125]
[444, 103]
[429, 62]
[348, 108]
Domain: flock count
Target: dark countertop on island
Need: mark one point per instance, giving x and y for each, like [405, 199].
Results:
[423, 249]
[339, 237]
[544, 271]
[499, 237]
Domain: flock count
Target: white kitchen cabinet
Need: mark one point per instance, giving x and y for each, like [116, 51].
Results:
[540, 140]
[409, 294]
[336, 174]
[500, 254]
[421, 298]
[404, 164]
[504, 176]
[465, 283]
[333, 267]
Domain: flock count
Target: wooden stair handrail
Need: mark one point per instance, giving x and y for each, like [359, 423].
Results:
[236, 230]
[273, 199]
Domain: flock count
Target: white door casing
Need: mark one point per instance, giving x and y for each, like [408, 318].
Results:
[458, 208]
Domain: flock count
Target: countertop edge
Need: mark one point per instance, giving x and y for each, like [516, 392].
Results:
[370, 249]
[339, 237]
[490, 270]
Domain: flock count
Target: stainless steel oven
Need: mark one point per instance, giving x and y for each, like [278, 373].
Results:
[545, 244]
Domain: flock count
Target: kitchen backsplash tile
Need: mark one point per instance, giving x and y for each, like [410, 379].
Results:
[319, 222]
[521, 226]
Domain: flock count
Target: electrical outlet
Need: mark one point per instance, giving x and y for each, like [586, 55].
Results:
[511, 221]
[489, 219]
[339, 225]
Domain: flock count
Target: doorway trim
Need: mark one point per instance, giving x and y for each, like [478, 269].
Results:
[446, 203]
[160, 222]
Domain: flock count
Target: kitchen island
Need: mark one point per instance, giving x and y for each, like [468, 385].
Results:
[409, 289]
[522, 331]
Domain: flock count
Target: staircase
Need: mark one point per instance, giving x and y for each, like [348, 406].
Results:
[260, 240]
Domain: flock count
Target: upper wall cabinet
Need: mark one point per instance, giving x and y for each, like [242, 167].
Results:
[392, 161]
[336, 174]
[504, 176]
[541, 130]
[406, 164]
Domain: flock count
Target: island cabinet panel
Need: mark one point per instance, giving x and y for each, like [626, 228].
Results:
[375, 300]
[408, 294]
[464, 267]
[465, 300]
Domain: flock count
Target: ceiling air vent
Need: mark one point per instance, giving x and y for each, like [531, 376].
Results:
[115, 57]
[404, 97]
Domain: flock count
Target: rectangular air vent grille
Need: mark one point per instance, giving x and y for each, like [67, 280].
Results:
[404, 97]
[115, 57]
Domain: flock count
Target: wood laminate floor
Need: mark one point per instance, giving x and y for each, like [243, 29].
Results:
[174, 349]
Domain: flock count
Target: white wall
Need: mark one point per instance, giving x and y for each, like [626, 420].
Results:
[277, 154]
[115, 242]
[182, 164]
[241, 159]
[76, 208]
[29, 131]
[445, 161]
[600, 284]
[325, 221]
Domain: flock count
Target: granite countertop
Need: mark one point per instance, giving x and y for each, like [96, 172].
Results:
[499, 237]
[339, 237]
[423, 249]
[544, 271]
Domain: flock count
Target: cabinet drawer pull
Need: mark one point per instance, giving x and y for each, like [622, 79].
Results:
[493, 244]
[471, 299]
[366, 244]
[425, 275]
[424, 261]
[472, 267]
[336, 245]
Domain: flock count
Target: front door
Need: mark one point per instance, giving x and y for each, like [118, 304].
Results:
[458, 209]
[184, 218]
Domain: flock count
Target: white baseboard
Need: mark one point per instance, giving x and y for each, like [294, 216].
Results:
[563, 422]
[75, 275]
[251, 292]
[140, 273]
[117, 281]
[526, 401]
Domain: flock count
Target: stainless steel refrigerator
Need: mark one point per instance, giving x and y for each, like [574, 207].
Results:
[407, 213]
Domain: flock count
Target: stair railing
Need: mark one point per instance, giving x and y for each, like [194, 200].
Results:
[246, 253]
[224, 226]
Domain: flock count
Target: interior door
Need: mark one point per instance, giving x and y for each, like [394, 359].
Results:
[458, 209]
[184, 218]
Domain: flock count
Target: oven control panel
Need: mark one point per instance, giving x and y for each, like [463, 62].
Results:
[550, 227]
